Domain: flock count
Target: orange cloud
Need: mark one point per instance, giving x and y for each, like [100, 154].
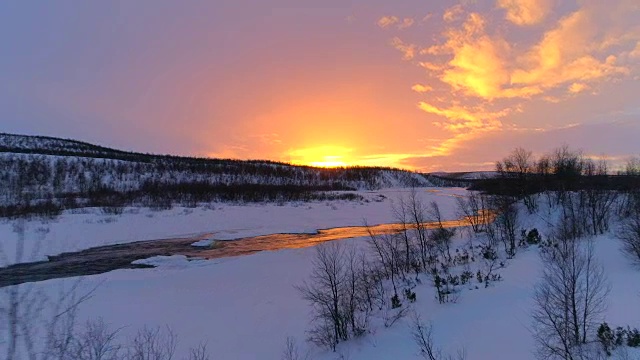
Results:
[387, 21]
[578, 88]
[635, 53]
[453, 13]
[487, 66]
[566, 54]
[408, 50]
[525, 12]
[479, 65]
[406, 23]
[450, 145]
[419, 88]
[463, 118]
[489, 77]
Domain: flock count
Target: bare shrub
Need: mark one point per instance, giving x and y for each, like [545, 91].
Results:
[153, 344]
[507, 223]
[410, 215]
[423, 337]
[569, 300]
[200, 352]
[334, 291]
[292, 351]
[387, 249]
[472, 209]
[96, 342]
[629, 233]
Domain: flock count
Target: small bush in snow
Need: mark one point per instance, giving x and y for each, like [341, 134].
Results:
[410, 295]
[633, 338]
[606, 337]
[466, 276]
[530, 238]
[395, 301]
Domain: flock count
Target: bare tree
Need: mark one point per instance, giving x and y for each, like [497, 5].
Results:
[423, 337]
[569, 300]
[292, 351]
[629, 233]
[597, 201]
[440, 237]
[518, 167]
[387, 250]
[411, 214]
[371, 287]
[324, 293]
[408, 214]
[96, 342]
[632, 167]
[336, 295]
[472, 208]
[519, 163]
[506, 223]
[567, 166]
[200, 352]
[153, 344]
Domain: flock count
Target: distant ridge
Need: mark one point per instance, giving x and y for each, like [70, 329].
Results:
[47, 145]
[54, 173]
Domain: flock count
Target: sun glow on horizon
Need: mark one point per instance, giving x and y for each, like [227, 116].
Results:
[329, 162]
[327, 156]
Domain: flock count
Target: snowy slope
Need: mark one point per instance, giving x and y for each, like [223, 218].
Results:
[67, 174]
[245, 307]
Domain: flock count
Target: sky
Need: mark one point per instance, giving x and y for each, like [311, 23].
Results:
[417, 84]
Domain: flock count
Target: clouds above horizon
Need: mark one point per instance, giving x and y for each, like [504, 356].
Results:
[483, 74]
[525, 12]
[446, 85]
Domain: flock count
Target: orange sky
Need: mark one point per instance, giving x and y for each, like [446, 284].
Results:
[422, 85]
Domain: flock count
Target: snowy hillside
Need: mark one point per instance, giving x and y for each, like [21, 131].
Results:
[51, 145]
[55, 174]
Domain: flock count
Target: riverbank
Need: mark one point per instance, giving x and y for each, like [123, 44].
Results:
[35, 240]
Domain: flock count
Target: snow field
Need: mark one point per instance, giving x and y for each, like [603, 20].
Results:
[245, 307]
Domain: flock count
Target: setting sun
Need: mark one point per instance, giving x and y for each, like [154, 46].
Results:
[329, 161]
[322, 156]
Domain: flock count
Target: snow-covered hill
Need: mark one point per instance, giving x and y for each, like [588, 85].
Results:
[55, 171]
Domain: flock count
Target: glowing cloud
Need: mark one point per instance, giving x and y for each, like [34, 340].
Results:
[387, 21]
[578, 88]
[491, 74]
[462, 118]
[485, 66]
[567, 53]
[406, 23]
[525, 12]
[408, 50]
[453, 13]
[419, 88]
[635, 53]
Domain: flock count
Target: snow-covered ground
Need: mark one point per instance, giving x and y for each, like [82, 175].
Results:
[245, 307]
[90, 227]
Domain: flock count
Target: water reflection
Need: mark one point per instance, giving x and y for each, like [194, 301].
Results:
[273, 242]
[102, 259]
